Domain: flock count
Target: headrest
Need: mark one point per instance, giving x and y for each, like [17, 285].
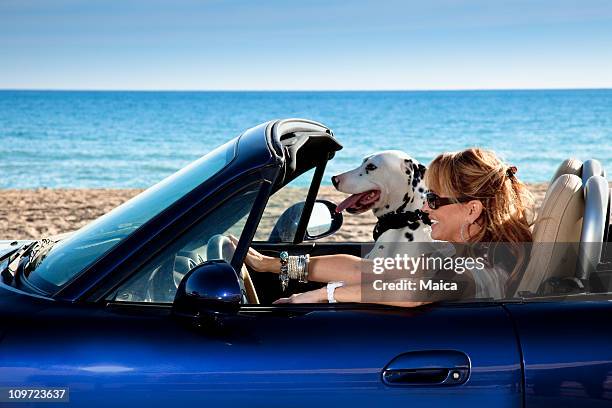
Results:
[569, 166]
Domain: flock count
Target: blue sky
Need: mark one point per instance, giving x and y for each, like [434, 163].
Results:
[305, 45]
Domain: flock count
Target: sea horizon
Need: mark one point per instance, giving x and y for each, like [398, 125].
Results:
[134, 138]
[301, 90]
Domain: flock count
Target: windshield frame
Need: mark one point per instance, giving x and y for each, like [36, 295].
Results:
[260, 154]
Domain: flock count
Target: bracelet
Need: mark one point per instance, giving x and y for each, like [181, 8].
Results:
[293, 267]
[331, 288]
[304, 277]
[283, 276]
[297, 267]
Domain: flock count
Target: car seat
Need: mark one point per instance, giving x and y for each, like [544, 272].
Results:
[570, 229]
[555, 234]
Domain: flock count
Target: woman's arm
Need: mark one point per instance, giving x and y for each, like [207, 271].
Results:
[328, 268]
[348, 293]
[352, 292]
[325, 268]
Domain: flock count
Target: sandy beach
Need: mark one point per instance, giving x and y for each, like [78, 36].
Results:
[26, 214]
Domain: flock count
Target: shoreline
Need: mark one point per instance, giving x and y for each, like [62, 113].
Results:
[33, 214]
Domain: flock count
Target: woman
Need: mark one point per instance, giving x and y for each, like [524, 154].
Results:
[475, 202]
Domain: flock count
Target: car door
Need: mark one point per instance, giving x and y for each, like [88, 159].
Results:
[566, 349]
[130, 354]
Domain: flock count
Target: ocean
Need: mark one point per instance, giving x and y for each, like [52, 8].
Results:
[91, 139]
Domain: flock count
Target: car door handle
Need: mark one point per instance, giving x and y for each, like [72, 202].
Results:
[431, 367]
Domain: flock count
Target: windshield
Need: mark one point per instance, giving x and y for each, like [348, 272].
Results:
[74, 254]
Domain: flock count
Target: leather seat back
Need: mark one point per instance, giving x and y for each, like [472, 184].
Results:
[556, 234]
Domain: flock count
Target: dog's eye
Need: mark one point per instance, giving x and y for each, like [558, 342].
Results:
[371, 167]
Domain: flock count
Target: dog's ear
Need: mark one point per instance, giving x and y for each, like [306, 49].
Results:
[418, 171]
[415, 171]
[407, 166]
[421, 169]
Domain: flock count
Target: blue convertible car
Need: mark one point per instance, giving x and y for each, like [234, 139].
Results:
[150, 306]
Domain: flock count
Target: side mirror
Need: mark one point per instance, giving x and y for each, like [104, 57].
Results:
[212, 288]
[324, 221]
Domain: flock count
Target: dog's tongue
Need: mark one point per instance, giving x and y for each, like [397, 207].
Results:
[355, 201]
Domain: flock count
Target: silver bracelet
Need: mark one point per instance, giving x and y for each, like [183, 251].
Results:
[297, 267]
[304, 277]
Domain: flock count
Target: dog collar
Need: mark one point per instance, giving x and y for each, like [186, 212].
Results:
[400, 220]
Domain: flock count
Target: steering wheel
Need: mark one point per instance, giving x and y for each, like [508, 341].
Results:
[220, 247]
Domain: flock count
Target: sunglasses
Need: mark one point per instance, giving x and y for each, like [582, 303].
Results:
[434, 201]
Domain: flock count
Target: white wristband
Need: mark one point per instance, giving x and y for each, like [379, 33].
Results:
[331, 288]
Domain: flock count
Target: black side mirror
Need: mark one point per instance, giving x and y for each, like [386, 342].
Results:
[324, 221]
[212, 288]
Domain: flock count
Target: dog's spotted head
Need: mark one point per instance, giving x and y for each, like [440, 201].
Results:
[389, 181]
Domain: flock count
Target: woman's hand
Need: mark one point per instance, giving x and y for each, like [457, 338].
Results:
[314, 296]
[257, 261]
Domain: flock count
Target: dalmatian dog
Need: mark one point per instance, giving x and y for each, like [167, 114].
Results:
[390, 183]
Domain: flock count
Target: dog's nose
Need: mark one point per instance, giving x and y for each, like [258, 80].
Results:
[335, 181]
